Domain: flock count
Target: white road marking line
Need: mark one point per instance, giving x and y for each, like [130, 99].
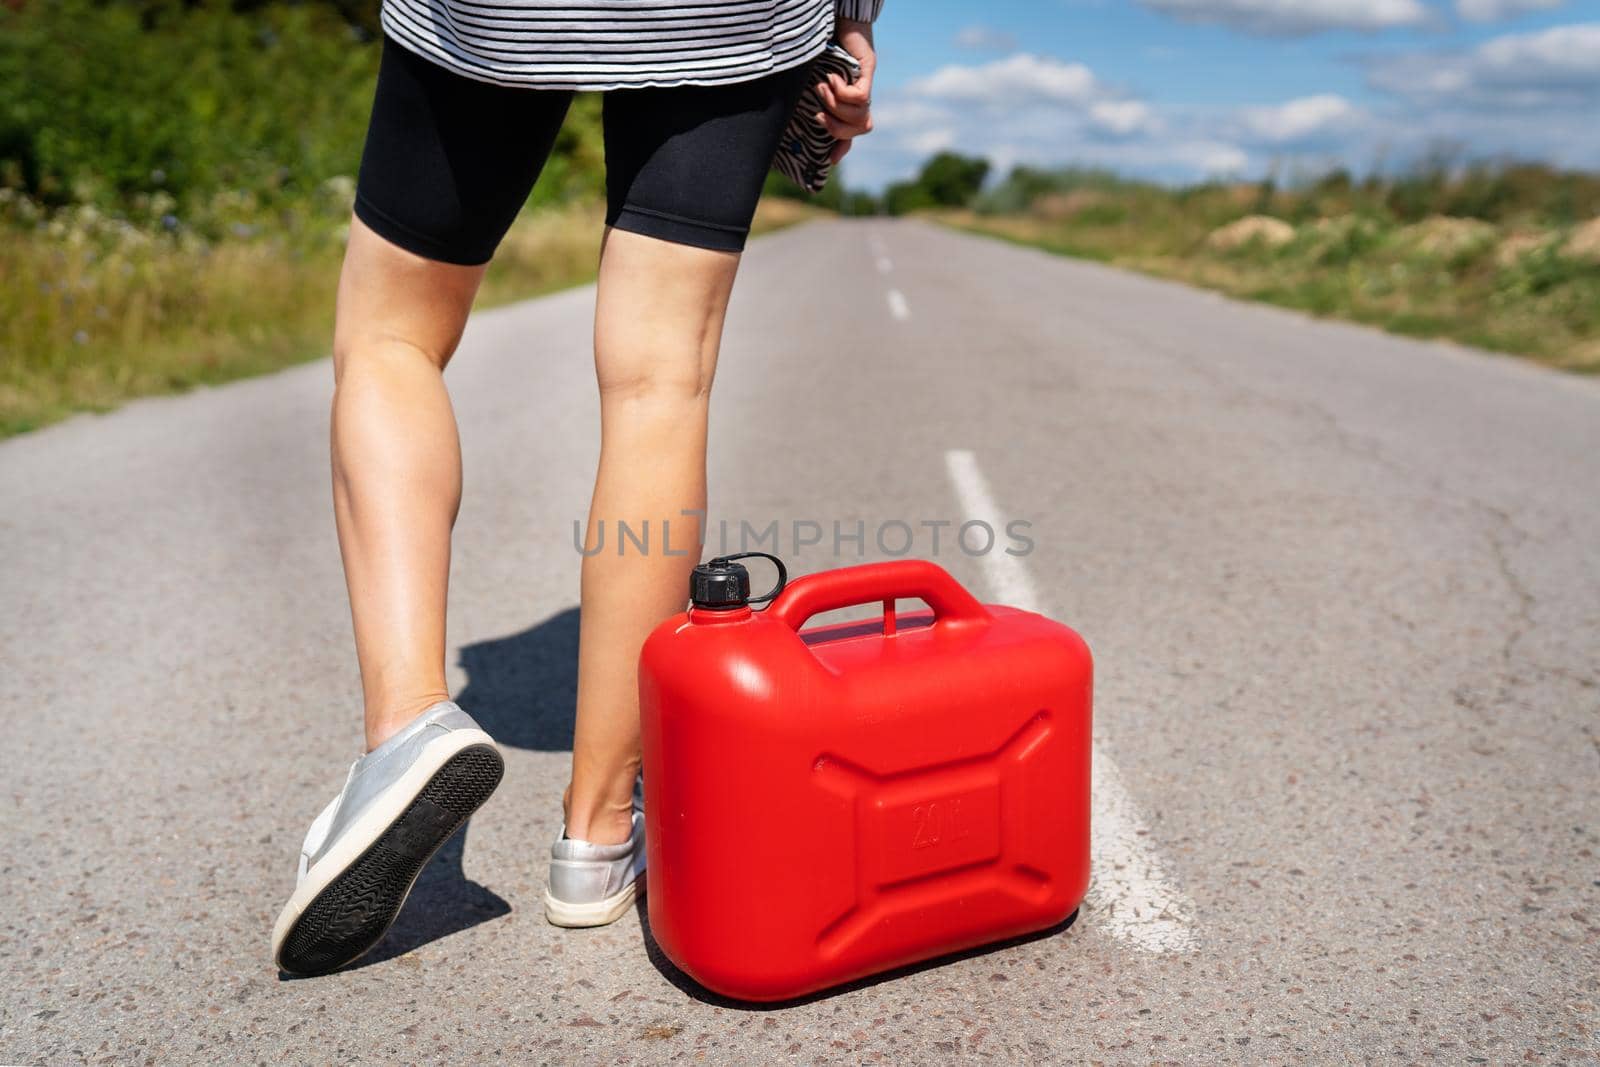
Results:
[884, 266]
[1129, 890]
[1130, 893]
[898, 306]
[1008, 582]
[875, 244]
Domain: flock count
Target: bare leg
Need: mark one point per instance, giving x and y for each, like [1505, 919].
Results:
[396, 467]
[658, 324]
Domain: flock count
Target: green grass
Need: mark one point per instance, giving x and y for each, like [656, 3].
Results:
[174, 192]
[95, 310]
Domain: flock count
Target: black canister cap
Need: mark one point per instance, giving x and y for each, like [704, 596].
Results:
[721, 584]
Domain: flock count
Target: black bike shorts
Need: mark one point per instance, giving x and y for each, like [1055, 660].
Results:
[449, 160]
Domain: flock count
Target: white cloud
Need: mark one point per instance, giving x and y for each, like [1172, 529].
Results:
[1217, 160]
[1496, 10]
[1556, 67]
[891, 111]
[1026, 96]
[1123, 118]
[927, 142]
[1042, 111]
[1016, 79]
[1299, 121]
[1294, 18]
[985, 39]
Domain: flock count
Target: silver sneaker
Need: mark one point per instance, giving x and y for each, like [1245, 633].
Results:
[592, 885]
[400, 802]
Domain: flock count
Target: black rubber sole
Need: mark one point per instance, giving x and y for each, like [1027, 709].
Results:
[356, 909]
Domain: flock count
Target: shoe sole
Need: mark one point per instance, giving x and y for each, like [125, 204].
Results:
[599, 913]
[326, 927]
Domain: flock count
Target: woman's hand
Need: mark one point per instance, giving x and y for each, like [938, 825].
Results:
[848, 105]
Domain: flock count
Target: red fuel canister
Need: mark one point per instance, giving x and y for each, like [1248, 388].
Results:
[823, 804]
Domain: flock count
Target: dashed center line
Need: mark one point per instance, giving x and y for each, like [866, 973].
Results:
[884, 266]
[898, 306]
[1130, 894]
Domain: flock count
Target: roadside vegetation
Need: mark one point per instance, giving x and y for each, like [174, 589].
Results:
[175, 191]
[1502, 256]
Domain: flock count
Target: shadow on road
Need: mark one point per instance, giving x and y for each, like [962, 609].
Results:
[689, 987]
[443, 902]
[523, 689]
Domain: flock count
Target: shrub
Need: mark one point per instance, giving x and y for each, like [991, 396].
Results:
[946, 180]
[103, 103]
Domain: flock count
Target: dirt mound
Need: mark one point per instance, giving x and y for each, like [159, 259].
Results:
[1584, 242]
[1512, 250]
[1446, 236]
[1252, 229]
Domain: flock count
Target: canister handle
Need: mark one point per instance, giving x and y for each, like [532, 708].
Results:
[898, 579]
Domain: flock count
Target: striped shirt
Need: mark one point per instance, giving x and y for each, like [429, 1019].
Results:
[617, 44]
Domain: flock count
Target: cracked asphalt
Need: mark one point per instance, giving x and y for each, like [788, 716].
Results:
[1343, 591]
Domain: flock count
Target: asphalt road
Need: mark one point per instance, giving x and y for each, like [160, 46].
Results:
[1343, 589]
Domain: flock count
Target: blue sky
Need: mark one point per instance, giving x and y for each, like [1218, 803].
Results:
[1185, 89]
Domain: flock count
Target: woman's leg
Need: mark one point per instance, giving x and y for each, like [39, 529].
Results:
[396, 484]
[684, 169]
[447, 165]
[658, 324]
[396, 466]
